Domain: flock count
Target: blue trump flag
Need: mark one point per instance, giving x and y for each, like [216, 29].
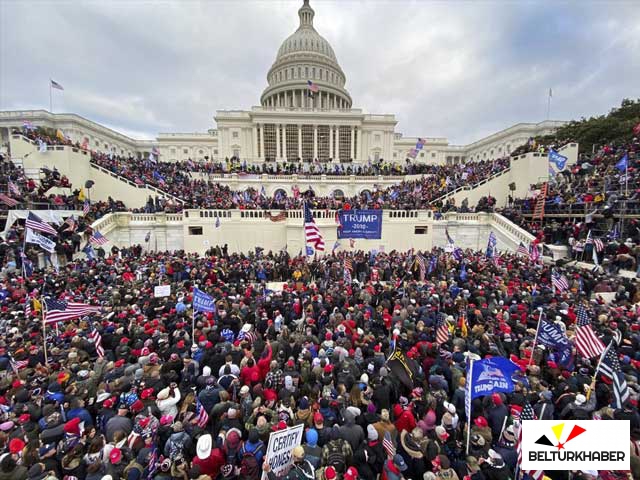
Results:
[491, 375]
[559, 160]
[202, 302]
[623, 163]
[552, 336]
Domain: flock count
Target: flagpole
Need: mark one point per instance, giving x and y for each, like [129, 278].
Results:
[43, 305]
[595, 375]
[50, 98]
[469, 379]
[549, 105]
[535, 340]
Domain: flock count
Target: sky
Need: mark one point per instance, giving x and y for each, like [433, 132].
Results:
[454, 69]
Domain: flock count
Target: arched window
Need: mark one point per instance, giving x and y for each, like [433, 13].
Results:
[314, 73]
[337, 193]
[280, 193]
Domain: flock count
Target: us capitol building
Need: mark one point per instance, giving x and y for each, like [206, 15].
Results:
[292, 123]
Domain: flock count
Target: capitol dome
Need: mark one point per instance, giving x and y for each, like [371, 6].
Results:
[306, 56]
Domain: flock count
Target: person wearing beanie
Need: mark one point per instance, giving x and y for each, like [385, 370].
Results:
[494, 467]
[369, 457]
[312, 451]
[351, 431]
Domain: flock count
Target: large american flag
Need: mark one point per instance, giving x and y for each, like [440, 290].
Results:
[598, 244]
[98, 239]
[86, 207]
[422, 266]
[14, 189]
[560, 282]
[7, 200]
[59, 310]
[442, 331]
[201, 414]
[610, 368]
[587, 343]
[522, 250]
[95, 336]
[527, 414]
[348, 264]
[312, 234]
[534, 252]
[34, 222]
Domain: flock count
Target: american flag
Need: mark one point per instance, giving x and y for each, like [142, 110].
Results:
[348, 264]
[587, 343]
[201, 414]
[312, 86]
[86, 207]
[522, 250]
[133, 436]
[97, 342]
[388, 445]
[598, 244]
[442, 331]
[27, 125]
[347, 276]
[59, 310]
[98, 239]
[422, 266]
[14, 189]
[458, 254]
[7, 200]
[312, 233]
[527, 414]
[17, 365]
[27, 308]
[71, 223]
[560, 282]
[56, 85]
[153, 463]
[34, 222]
[610, 368]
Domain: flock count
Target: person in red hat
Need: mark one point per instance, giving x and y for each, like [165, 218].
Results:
[497, 415]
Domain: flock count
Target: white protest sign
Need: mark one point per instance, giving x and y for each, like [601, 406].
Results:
[162, 291]
[281, 444]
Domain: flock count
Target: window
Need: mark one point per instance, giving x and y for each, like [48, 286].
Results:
[173, 150]
[395, 154]
[299, 72]
[234, 134]
[215, 152]
[338, 193]
[291, 134]
[376, 138]
[433, 155]
[106, 146]
[195, 230]
[306, 72]
[236, 153]
[420, 230]
[323, 143]
[345, 142]
[422, 154]
[200, 152]
[185, 150]
[269, 141]
[314, 73]
[307, 142]
[286, 74]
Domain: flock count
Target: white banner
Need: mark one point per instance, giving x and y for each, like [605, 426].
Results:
[575, 445]
[279, 449]
[44, 242]
[162, 291]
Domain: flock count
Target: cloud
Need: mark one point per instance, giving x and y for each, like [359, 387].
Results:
[457, 69]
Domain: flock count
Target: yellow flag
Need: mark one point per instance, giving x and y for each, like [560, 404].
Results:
[81, 196]
[37, 306]
[463, 327]
[60, 135]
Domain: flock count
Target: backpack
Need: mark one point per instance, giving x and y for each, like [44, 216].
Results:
[249, 466]
[335, 457]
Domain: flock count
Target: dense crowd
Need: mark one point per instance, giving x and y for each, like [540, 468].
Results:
[311, 352]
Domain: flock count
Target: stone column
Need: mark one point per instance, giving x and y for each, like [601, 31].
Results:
[359, 150]
[337, 143]
[255, 141]
[353, 138]
[331, 142]
[284, 142]
[299, 141]
[262, 156]
[315, 142]
[278, 152]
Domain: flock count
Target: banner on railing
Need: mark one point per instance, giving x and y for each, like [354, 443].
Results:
[365, 224]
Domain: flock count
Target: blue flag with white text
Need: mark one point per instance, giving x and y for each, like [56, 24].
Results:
[623, 163]
[492, 375]
[559, 160]
[203, 302]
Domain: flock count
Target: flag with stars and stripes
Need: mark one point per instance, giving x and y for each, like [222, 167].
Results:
[534, 252]
[598, 244]
[312, 234]
[522, 250]
[559, 281]
[34, 222]
[422, 266]
[587, 343]
[388, 445]
[98, 239]
[86, 207]
[59, 310]
[348, 264]
[7, 200]
[526, 414]
[14, 189]
[610, 368]
[491, 245]
[95, 336]
[442, 330]
[201, 414]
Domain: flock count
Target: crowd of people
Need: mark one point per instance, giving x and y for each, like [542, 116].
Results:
[312, 351]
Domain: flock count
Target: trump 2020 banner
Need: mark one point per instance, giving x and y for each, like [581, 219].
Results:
[365, 224]
[491, 375]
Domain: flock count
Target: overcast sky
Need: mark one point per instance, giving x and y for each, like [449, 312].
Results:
[457, 69]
